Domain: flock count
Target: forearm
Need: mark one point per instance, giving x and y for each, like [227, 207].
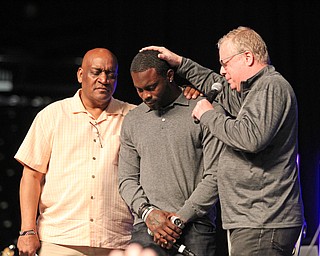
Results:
[205, 195]
[199, 76]
[132, 194]
[255, 125]
[30, 189]
[129, 179]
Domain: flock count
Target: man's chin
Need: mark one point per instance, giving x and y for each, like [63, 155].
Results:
[103, 94]
[233, 87]
[152, 106]
[104, 98]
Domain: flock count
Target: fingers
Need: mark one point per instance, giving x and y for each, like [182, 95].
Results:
[167, 236]
[173, 59]
[191, 92]
[163, 52]
[164, 232]
[194, 115]
[164, 238]
[201, 107]
[152, 47]
[163, 241]
[28, 245]
[27, 254]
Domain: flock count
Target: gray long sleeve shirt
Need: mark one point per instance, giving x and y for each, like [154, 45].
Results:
[169, 161]
[258, 176]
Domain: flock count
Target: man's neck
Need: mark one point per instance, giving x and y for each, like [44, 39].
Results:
[96, 108]
[171, 96]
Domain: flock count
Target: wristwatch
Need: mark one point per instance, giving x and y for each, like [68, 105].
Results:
[177, 221]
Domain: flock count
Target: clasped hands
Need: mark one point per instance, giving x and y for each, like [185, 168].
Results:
[165, 233]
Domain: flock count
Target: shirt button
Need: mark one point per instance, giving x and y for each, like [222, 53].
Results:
[92, 197]
[91, 220]
[93, 158]
[163, 119]
[95, 140]
[93, 176]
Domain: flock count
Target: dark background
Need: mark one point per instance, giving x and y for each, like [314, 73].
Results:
[41, 43]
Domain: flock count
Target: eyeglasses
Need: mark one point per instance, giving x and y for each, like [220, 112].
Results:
[95, 125]
[224, 63]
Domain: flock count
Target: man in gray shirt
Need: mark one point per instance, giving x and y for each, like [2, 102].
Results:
[258, 177]
[167, 163]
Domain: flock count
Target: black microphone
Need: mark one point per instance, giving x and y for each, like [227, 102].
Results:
[216, 88]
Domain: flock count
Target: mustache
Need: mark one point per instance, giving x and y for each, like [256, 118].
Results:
[106, 88]
[151, 102]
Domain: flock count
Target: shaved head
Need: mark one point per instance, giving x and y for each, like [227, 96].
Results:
[98, 52]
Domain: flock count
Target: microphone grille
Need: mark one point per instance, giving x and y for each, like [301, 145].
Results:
[217, 86]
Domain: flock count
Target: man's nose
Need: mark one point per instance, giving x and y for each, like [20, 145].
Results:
[222, 71]
[104, 77]
[146, 95]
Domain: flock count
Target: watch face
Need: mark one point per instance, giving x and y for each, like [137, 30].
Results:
[178, 222]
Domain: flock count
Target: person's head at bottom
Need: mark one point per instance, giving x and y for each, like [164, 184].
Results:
[136, 249]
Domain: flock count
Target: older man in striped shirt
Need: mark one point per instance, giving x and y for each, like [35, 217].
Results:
[70, 160]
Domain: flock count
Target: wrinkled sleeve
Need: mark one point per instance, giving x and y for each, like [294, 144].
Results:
[256, 124]
[129, 170]
[201, 77]
[206, 193]
[35, 149]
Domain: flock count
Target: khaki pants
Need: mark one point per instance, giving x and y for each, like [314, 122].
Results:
[49, 249]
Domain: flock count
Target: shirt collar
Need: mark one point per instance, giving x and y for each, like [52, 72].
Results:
[246, 85]
[112, 109]
[77, 106]
[181, 100]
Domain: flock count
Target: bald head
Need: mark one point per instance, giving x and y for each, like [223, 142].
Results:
[98, 53]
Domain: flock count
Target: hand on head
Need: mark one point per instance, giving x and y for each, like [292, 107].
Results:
[173, 59]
